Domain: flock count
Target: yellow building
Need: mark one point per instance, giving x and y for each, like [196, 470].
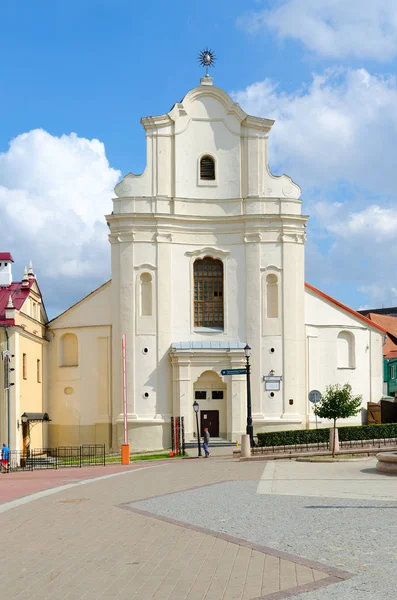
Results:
[22, 340]
[78, 360]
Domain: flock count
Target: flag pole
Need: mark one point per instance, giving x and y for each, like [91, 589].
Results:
[125, 448]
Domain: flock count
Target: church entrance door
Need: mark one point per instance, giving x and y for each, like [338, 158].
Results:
[210, 392]
[210, 419]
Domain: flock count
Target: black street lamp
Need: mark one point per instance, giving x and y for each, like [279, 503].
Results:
[250, 429]
[196, 409]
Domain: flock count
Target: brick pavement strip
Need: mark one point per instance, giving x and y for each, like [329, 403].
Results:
[79, 544]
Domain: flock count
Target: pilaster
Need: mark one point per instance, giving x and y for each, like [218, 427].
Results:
[127, 316]
[294, 348]
[182, 392]
[15, 393]
[236, 400]
[164, 323]
[253, 314]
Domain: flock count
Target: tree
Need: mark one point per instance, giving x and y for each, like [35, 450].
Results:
[338, 403]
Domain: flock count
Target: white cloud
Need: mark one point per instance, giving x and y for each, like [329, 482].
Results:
[336, 138]
[54, 193]
[362, 252]
[374, 222]
[333, 28]
[342, 126]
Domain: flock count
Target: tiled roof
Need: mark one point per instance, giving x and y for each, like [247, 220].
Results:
[6, 256]
[18, 295]
[390, 324]
[346, 308]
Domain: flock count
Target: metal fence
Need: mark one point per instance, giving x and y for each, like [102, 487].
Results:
[324, 446]
[87, 455]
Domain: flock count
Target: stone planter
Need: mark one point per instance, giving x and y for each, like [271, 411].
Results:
[387, 462]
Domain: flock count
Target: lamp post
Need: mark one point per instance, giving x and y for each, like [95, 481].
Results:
[196, 409]
[250, 429]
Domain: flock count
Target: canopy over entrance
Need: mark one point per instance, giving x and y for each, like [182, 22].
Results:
[31, 417]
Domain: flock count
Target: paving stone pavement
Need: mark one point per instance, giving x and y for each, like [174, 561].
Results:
[89, 542]
[296, 507]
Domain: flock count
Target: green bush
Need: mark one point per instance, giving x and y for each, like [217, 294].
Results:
[313, 436]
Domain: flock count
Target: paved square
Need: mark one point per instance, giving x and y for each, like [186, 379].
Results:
[358, 480]
[81, 543]
[199, 530]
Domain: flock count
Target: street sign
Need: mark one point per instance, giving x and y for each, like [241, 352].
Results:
[314, 396]
[234, 372]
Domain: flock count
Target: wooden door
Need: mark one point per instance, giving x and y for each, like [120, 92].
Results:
[210, 419]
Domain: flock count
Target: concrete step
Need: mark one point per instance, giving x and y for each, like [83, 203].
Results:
[214, 442]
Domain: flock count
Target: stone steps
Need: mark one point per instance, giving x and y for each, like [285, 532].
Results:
[214, 442]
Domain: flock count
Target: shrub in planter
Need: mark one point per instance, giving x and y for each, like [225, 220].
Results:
[319, 436]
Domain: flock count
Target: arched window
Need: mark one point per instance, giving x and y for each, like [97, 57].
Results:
[271, 296]
[207, 168]
[69, 355]
[146, 294]
[346, 352]
[208, 293]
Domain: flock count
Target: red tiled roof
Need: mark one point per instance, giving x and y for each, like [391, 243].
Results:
[18, 295]
[6, 256]
[390, 324]
[346, 308]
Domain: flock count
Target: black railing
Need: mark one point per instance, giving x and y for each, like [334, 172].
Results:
[324, 446]
[87, 455]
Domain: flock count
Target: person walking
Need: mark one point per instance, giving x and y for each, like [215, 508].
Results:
[206, 438]
[5, 456]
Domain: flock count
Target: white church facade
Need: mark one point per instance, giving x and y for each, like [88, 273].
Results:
[207, 254]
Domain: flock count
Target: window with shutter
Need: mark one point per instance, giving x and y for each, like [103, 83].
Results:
[207, 168]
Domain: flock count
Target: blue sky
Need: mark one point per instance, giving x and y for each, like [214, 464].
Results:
[324, 70]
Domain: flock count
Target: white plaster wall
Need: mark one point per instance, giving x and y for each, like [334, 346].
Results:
[93, 310]
[90, 400]
[321, 347]
[213, 138]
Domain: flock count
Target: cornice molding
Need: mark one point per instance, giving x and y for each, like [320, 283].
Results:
[252, 238]
[271, 268]
[125, 237]
[146, 266]
[208, 250]
[163, 238]
[293, 238]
